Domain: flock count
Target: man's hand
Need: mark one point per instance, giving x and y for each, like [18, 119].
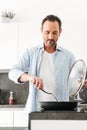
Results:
[85, 84]
[36, 81]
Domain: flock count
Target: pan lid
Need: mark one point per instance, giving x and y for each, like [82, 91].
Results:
[76, 77]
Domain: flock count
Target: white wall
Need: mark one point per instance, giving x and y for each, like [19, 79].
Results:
[72, 13]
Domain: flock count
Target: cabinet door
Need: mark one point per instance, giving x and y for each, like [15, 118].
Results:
[6, 118]
[8, 44]
[58, 124]
[29, 36]
[20, 119]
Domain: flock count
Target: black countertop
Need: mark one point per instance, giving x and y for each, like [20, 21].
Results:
[57, 115]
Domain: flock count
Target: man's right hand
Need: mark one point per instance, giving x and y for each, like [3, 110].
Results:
[35, 80]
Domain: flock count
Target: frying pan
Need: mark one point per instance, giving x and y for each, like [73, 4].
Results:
[55, 106]
[75, 81]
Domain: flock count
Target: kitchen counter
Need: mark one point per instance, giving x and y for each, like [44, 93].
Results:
[12, 106]
[15, 128]
[79, 114]
[57, 115]
[57, 119]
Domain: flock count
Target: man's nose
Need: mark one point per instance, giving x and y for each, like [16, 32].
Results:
[50, 36]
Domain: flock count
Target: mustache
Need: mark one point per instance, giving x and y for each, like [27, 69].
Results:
[50, 40]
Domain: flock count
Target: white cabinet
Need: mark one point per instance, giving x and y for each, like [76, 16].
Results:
[58, 124]
[13, 117]
[20, 119]
[29, 36]
[6, 118]
[8, 45]
[14, 39]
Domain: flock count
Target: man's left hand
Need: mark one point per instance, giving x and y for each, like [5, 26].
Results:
[84, 84]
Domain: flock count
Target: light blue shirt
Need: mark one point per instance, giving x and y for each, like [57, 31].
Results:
[30, 62]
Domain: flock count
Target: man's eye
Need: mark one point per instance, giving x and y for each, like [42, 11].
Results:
[55, 33]
[47, 32]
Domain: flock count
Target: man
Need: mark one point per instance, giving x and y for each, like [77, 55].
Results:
[47, 66]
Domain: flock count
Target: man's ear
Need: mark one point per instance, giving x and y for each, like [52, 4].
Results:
[41, 29]
[60, 31]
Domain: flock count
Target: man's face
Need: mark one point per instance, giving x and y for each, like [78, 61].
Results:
[51, 33]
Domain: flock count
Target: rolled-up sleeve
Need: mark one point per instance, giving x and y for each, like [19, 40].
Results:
[21, 67]
[14, 75]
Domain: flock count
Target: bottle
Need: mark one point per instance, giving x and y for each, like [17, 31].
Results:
[11, 99]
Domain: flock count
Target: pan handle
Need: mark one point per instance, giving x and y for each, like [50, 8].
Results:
[49, 93]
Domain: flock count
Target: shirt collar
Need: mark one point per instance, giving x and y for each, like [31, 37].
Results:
[59, 48]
